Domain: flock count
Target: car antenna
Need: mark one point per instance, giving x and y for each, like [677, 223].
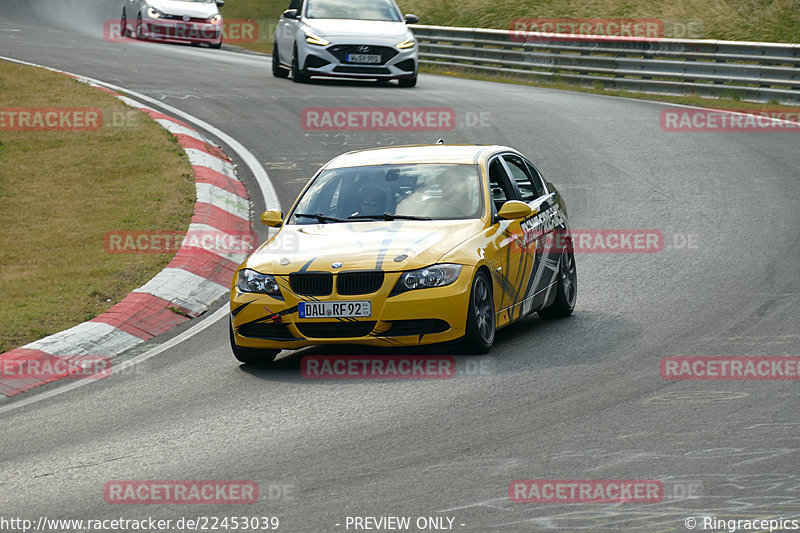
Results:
[440, 141]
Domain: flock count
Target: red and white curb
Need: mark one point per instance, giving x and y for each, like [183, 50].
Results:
[194, 279]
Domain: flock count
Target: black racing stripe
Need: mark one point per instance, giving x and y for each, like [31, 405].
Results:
[239, 309]
[307, 265]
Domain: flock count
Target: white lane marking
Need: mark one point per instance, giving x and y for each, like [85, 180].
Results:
[171, 284]
[225, 200]
[175, 128]
[88, 338]
[230, 247]
[220, 313]
[204, 159]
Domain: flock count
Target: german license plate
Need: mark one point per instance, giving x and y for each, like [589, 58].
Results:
[335, 309]
[363, 58]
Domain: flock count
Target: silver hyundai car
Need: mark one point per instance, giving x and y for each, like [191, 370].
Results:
[346, 38]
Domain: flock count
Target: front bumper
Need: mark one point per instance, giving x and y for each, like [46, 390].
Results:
[411, 318]
[182, 32]
[326, 61]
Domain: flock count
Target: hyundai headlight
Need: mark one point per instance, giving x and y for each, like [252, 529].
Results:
[426, 278]
[408, 43]
[252, 281]
[316, 39]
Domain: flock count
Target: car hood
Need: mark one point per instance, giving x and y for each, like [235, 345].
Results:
[389, 246]
[359, 31]
[193, 9]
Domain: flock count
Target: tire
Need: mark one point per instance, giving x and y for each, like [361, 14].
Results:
[566, 288]
[123, 24]
[251, 356]
[408, 82]
[139, 34]
[216, 46]
[481, 321]
[277, 70]
[298, 76]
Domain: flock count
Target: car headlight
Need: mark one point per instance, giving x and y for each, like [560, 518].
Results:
[425, 278]
[316, 39]
[408, 43]
[154, 13]
[216, 19]
[252, 281]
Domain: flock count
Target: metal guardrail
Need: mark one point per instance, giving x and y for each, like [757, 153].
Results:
[764, 72]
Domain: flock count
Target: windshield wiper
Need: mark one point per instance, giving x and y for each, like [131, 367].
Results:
[387, 216]
[320, 217]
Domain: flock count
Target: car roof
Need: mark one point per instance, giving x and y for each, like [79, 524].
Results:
[468, 154]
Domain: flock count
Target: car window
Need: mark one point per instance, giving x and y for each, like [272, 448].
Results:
[522, 177]
[499, 184]
[538, 180]
[296, 4]
[353, 9]
[438, 191]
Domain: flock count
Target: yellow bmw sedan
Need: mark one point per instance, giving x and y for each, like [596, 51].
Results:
[404, 246]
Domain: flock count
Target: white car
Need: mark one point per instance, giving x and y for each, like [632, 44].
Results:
[175, 21]
[346, 38]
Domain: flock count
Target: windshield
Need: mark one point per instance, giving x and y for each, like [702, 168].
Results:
[358, 194]
[353, 10]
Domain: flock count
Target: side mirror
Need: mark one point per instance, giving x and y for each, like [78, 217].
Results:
[411, 19]
[220, 3]
[515, 210]
[291, 14]
[272, 218]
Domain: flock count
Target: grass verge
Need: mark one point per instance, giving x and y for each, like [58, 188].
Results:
[61, 191]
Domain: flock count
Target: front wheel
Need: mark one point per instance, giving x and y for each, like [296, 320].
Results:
[566, 288]
[139, 32]
[480, 330]
[216, 46]
[277, 70]
[123, 24]
[251, 356]
[298, 76]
